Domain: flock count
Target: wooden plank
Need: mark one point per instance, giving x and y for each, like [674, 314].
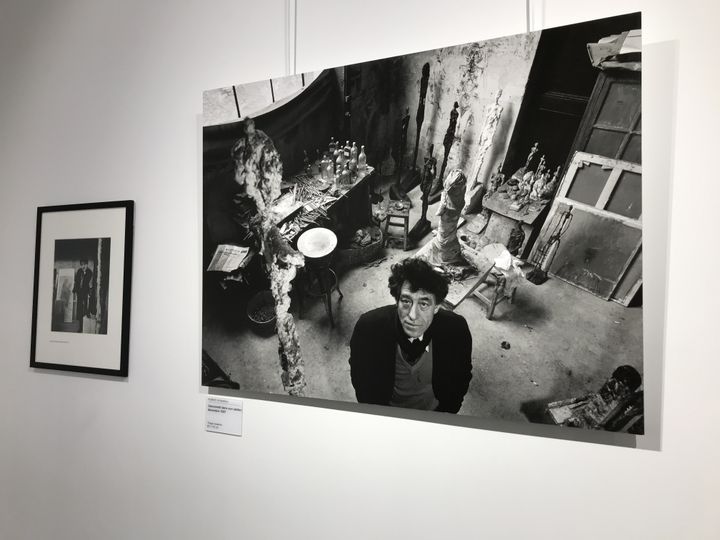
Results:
[609, 188]
[630, 281]
[635, 223]
[460, 290]
[607, 162]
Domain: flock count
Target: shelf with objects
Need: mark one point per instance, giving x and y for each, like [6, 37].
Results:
[305, 188]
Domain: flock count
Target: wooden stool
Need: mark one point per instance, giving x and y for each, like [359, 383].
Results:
[493, 290]
[318, 279]
[401, 217]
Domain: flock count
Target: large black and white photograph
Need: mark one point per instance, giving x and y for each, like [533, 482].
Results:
[456, 230]
[81, 303]
[80, 285]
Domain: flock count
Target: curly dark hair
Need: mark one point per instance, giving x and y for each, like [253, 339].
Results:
[419, 275]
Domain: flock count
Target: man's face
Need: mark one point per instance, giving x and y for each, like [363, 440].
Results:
[83, 265]
[416, 310]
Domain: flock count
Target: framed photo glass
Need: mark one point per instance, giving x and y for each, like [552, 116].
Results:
[81, 295]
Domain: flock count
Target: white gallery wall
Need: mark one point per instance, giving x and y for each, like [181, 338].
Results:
[101, 100]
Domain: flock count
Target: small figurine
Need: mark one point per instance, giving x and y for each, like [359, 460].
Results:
[550, 187]
[525, 185]
[539, 181]
[520, 173]
[538, 187]
[496, 180]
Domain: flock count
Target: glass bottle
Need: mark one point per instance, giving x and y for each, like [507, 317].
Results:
[330, 170]
[362, 159]
[323, 166]
[316, 163]
[306, 162]
[354, 151]
[345, 177]
[332, 146]
[353, 165]
[340, 161]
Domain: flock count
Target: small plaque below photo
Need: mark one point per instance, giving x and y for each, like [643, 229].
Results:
[224, 416]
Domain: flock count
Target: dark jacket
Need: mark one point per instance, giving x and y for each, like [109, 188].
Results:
[372, 357]
[83, 281]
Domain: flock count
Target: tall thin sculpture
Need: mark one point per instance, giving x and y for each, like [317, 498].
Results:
[396, 191]
[258, 171]
[422, 227]
[412, 178]
[447, 144]
[420, 115]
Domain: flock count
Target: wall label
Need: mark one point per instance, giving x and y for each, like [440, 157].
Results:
[224, 416]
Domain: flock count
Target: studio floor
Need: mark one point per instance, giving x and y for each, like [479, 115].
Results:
[563, 342]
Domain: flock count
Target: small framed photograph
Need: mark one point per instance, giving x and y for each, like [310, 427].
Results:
[81, 295]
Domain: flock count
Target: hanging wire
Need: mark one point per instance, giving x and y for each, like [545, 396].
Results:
[534, 10]
[527, 15]
[290, 37]
[287, 37]
[294, 37]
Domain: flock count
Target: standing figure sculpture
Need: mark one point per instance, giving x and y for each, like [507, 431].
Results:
[411, 180]
[258, 171]
[422, 227]
[447, 144]
[420, 115]
[396, 191]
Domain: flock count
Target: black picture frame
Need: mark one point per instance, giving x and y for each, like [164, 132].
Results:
[81, 288]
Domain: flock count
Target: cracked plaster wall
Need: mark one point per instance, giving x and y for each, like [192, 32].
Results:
[470, 74]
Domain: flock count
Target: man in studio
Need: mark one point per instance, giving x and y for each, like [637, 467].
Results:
[412, 354]
[83, 285]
